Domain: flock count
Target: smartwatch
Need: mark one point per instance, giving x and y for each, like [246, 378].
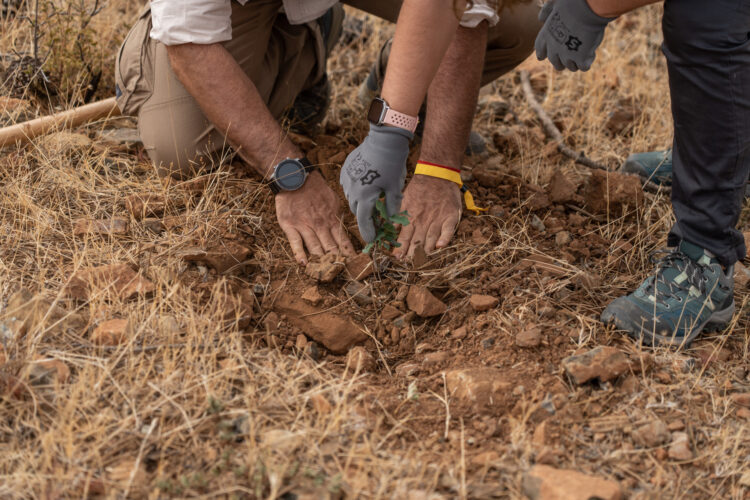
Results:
[381, 114]
[290, 175]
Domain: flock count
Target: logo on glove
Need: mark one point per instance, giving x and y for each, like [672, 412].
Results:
[369, 177]
[573, 43]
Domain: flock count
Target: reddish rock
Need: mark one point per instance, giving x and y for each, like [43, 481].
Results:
[45, 372]
[424, 303]
[222, 256]
[547, 483]
[743, 413]
[560, 189]
[326, 269]
[480, 386]
[358, 360]
[117, 279]
[236, 307]
[709, 355]
[604, 363]
[741, 399]
[301, 342]
[312, 295]
[146, 205]
[321, 404]
[110, 227]
[611, 192]
[434, 358]
[651, 435]
[112, 332]
[529, 338]
[741, 275]
[26, 311]
[680, 447]
[390, 313]
[481, 303]
[337, 333]
[360, 266]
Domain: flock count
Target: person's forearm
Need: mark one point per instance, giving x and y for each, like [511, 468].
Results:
[424, 31]
[614, 8]
[230, 100]
[452, 98]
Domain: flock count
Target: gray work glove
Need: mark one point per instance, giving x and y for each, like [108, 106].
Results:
[571, 34]
[377, 165]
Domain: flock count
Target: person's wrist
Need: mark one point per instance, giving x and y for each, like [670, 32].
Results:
[595, 12]
[429, 180]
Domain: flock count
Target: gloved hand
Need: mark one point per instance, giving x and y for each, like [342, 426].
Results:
[571, 34]
[377, 165]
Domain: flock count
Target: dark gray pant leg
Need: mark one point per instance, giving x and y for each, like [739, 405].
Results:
[707, 45]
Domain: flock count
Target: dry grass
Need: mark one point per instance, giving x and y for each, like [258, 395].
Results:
[194, 405]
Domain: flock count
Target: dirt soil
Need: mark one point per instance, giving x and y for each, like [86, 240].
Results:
[157, 338]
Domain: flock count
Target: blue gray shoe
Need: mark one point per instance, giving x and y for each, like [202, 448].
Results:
[655, 166]
[688, 293]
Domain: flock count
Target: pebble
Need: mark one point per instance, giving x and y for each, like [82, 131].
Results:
[424, 303]
[651, 435]
[359, 360]
[547, 483]
[680, 447]
[529, 338]
[312, 295]
[481, 303]
[112, 332]
[604, 363]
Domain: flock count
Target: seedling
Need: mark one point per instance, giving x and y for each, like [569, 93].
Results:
[386, 235]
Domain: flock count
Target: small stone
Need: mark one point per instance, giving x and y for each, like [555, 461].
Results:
[169, 325]
[661, 454]
[300, 343]
[741, 399]
[481, 303]
[404, 319]
[313, 351]
[222, 257]
[407, 369]
[321, 404]
[529, 338]
[563, 238]
[560, 189]
[119, 279]
[586, 280]
[395, 335]
[419, 259]
[360, 266]
[709, 355]
[153, 224]
[680, 447]
[146, 205]
[359, 292]
[677, 425]
[47, 372]
[359, 360]
[271, 322]
[436, 357]
[484, 459]
[604, 363]
[741, 275]
[612, 192]
[326, 269]
[743, 413]
[389, 313]
[312, 295]
[537, 223]
[112, 332]
[651, 435]
[480, 386]
[421, 301]
[110, 227]
[547, 483]
[459, 333]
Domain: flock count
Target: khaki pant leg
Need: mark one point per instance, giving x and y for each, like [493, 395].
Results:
[509, 42]
[279, 58]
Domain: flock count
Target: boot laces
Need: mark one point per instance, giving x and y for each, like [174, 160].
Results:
[660, 286]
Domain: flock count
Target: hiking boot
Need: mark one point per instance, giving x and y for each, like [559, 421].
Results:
[688, 293]
[311, 105]
[654, 166]
[373, 84]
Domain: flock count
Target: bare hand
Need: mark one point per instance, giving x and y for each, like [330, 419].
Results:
[312, 215]
[434, 207]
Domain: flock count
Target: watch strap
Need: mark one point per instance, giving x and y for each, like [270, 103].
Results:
[401, 120]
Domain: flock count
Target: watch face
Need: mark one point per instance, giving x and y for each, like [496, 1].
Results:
[376, 111]
[290, 175]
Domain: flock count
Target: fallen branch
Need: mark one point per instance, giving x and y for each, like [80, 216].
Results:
[554, 133]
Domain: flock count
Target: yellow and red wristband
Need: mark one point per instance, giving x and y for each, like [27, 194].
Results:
[448, 174]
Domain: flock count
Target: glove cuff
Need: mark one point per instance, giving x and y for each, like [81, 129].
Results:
[385, 132]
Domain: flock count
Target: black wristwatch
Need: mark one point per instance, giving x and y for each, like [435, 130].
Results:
[290, 175]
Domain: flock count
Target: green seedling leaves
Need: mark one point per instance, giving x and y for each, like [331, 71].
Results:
[386, 233]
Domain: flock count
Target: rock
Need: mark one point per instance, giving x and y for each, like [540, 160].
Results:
[359, 292]
[358, 360]
[741, 275]
[424, 303]
[153, 224]
[743, 413]
[434, 358]
[709, 354]
[222, 257]
[313, 351]
[611, 192]
[407, 369]
[312, 295]
[146, 205]
[484, 459]
[560, 189]
[741, 399]
[326, 269]
[529, 338]
[680, 447]
[116, 279]
[459, 333]
[488, 175]
[46, 372]
[112, 332]
[563, 238]
[101, 226]
[479, 386]
[651, 435]
[547, 483]
[236, 307]
[481, 303]
[389, 313]
[337, 333]
[604, 363]
[301, 342]
[360, 266]
[419, 259]
[26, 312]
[321, 404]
[586, 280]
[538, 201]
